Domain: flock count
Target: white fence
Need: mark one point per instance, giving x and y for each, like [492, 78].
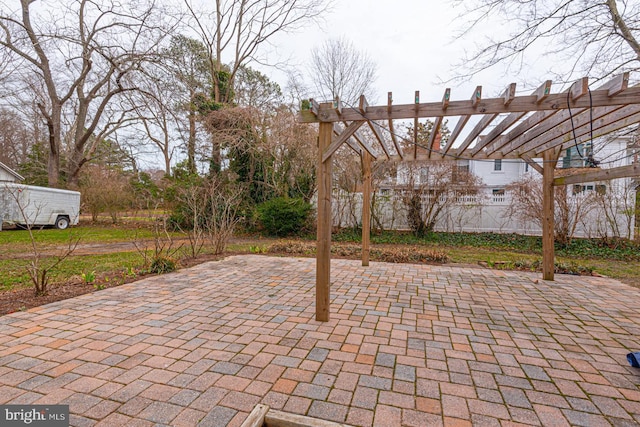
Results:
[469, 213]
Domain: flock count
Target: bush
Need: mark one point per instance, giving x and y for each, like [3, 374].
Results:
[414, 254]
[283, 217]
[161, 265]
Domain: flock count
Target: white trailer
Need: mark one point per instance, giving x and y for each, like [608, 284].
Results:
[28, 205]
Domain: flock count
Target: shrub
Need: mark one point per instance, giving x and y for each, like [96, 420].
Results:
[161, 265]
[413, 254]
[282, 216]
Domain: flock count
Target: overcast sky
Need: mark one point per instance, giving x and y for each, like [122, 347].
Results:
[412, 42]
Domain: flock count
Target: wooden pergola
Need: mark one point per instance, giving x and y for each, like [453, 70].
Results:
[539, 125]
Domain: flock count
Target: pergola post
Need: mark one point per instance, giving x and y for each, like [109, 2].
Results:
[323, 251]
[366, 206]
[548, 264]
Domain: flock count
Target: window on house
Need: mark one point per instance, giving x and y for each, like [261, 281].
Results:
[497, 165]
[600, 189]
[424, 175]
[460, 171]
[575, 156]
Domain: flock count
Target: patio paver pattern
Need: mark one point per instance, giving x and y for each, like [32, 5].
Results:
[407, 345]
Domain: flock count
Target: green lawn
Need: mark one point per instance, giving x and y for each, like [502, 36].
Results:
[620, 260]
[116, 265]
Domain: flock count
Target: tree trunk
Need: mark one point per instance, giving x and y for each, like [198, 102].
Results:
[53, 163]
[191, 143]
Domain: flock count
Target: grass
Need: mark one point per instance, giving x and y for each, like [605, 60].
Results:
[16, 241]
[14, 275]
[614, 249]
[618, 259]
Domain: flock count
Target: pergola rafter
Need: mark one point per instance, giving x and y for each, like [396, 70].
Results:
[539, 125]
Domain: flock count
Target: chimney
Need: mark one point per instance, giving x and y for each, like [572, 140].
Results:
[436, 141]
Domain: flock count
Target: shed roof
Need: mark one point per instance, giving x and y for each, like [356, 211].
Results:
[11, 172]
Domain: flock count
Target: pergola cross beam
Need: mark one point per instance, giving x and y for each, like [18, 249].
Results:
[553, 102]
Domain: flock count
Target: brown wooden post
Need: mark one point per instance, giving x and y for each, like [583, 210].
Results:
[548, 264]
[323, 249]
[366, 206]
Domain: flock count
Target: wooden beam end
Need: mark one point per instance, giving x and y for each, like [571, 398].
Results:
[477, 96]
[509, 94]
[363, 104]
[619, 84]
[337, 105]
[446, 98]
[543, 91]
[579, 88]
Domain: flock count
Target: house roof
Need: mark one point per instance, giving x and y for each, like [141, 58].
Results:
[11, 172]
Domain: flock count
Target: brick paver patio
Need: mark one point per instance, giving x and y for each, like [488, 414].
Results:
[408, 345]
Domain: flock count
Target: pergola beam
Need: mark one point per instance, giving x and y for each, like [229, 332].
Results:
[365, 144]
[548, 255]
[337, 130]
[613, 121]
[366, 207]
[591, 175]
[391, 129]
[476, 131]
[613, 86]
[541, 93]
[506, 143]
[559, 125]
[528, 160]
[416, 123]
[323, 245]
[435, 131]
[344, 136]
[462, 121]
[553, 102]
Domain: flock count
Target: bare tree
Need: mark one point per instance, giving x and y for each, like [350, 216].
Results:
[195, 200]
[429, 188]
[187, 61]
[526, 205]
[156, 109]
[224, 199]
[105, 189]
[615, 201]
[235, 33]
[76, 59]
[15, 138]
[290, 151]
[596, 38]
[340, 70]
